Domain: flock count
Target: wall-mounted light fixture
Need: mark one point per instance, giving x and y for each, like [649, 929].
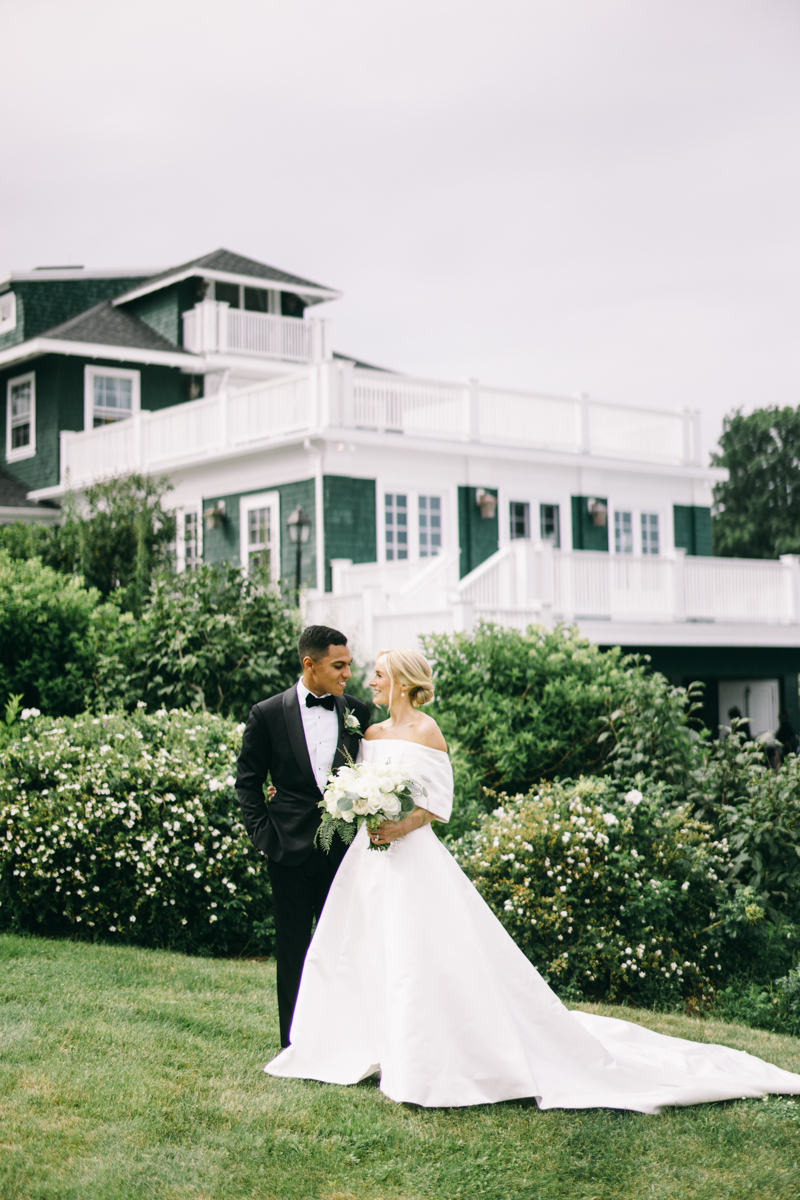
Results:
[598, 510]
[486, 502]
[214, 517]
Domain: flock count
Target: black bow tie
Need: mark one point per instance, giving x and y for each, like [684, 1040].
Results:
[326, 701]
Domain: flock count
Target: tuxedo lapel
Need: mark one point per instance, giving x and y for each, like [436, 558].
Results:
[297, 736]
[339, 758]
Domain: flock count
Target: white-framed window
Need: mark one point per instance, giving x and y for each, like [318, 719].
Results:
[188, 537]
[260, 534]
[109, 394]
[519, 513]
[8, 312]
[550, 524]
[429, 509]
[395, 525]
[21, 417]
[650, 537]
[623, 532]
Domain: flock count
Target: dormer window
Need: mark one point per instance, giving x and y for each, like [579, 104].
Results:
[261, 300]
[8, 312]
[110, 394]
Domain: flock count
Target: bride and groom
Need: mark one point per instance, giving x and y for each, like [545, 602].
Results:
[409, 973]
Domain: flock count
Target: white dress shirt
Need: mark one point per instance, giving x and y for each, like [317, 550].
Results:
[322, 735]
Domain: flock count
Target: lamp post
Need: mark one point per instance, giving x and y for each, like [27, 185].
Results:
[299, 525]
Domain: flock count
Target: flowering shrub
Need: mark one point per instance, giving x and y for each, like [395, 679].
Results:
[609, 893]
[126, 827]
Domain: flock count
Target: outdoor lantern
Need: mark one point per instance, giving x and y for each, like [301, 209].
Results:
[299, 525]
[599, 511]
[486, 502]
[215, 516]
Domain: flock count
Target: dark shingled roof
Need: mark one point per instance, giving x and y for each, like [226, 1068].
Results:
[236, 264]
[14, 493]
[109, 326]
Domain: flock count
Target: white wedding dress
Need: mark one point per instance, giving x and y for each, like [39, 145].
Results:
[411, 975]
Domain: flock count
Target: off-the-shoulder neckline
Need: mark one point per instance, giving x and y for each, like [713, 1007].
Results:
[404, 742]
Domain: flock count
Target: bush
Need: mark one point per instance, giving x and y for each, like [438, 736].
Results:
[127, 828]
[776, 1008]
[50, 631]
[611, 895]
[549, 704]
[211, 639]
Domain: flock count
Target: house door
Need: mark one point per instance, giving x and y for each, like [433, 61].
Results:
[756, 699]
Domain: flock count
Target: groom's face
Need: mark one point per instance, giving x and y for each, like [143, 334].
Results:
[329, 674]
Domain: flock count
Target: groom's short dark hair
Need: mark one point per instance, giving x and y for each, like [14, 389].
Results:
[315, 639]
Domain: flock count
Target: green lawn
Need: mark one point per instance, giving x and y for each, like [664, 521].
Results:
[129, 1073]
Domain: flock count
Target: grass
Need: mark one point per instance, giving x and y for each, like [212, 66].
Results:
[136, 1074]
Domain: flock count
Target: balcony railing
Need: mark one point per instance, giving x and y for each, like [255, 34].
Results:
[526, 583]
[475, 412]
[213, 327]
[337, 395]
[190, 432]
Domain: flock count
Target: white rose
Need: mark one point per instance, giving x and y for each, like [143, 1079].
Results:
[610, 819]
[391, 806]
[633, 797]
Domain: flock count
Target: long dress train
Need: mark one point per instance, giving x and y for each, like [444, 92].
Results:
[411, 974]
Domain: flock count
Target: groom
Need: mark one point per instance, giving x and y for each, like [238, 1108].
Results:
[297, 737]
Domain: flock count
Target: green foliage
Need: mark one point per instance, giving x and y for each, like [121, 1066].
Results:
[211, 639]
[776, 1007]
[544, 704]
[120, 536]
[116, 538]
[50, 630]
[127, 828]
[757, 511]
[610, 894]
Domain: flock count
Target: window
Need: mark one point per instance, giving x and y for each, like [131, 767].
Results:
[520, 513]
[650, 533]
[259, 547]
[255, 300]
[21, 417]
[430, 526]
[396, 526]
[550, 524]
[109, 394]
[188, 545]
[229, 292]
[623, 533]
[8, 312]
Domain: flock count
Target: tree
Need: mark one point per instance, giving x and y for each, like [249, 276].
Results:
[213, 639]
[757, 511]
[51, 628]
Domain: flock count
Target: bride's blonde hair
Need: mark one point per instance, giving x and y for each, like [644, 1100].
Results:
[412, 671]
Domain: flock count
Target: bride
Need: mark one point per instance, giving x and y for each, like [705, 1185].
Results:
[411, 975]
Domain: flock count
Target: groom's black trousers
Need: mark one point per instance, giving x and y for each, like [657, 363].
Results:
[298, 894]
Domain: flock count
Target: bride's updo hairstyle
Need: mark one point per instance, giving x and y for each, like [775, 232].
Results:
[410, 670]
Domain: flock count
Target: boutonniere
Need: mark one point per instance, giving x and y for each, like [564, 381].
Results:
[351, 723]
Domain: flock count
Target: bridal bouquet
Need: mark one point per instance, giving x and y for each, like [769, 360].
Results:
[365, 794]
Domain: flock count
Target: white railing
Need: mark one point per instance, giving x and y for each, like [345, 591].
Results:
[395, 404]
[195, 430]
[525, 583]
[214, 327]
[477, 413]
[740, 589]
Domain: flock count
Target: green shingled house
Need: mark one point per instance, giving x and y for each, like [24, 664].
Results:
[416, 504]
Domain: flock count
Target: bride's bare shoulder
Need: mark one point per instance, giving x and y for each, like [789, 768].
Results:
[429, 733]
[373, 732]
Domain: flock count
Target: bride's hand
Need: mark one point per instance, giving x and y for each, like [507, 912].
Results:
[390, 831]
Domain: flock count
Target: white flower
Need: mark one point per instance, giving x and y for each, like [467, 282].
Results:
[351, 722]
[610, 819]
[633, 797]
[27, 713]
[229, 781]
[685, 886]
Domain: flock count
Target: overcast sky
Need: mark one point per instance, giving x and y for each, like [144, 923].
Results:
[596, 196]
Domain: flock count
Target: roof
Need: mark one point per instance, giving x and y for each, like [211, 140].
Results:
[225, 262]
[105, 325]
[14, 493]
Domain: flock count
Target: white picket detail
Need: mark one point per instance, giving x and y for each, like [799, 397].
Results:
[745, 590]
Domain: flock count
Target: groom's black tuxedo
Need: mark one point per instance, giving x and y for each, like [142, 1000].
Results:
[274, 744]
